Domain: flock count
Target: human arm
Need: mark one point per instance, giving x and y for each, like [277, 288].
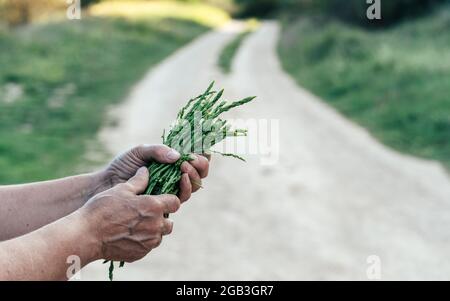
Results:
[118, 224]
[25, 208]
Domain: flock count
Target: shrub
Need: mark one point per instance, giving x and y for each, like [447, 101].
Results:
[17, 12]
[259, 8]
[353, 11]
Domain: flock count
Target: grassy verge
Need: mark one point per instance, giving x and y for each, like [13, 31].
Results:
[200, 13]
[229, 51]
[56, 80]
[394, 82]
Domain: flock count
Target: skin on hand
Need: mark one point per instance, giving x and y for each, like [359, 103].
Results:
[128, 225]
[126, 165]
[98, 215]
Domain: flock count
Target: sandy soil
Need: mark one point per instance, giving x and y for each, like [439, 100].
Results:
[334, 197]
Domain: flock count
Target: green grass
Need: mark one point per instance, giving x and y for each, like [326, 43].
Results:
[196, 11]
[229, 51]
[70, 72]
[395, 82]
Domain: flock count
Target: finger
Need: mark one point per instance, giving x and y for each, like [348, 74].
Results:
[185, 188]
[150, 205]
[170, 203]
[167, 227]
[158, 152]
[193, 175]
[207, 156]
[201, 164]
[158, 242]
[139, 182]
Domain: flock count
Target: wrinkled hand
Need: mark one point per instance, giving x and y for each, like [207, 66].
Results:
[125, 224]
[125, 166]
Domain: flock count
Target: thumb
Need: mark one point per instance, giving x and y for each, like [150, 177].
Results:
[139, 181]
[159, 153]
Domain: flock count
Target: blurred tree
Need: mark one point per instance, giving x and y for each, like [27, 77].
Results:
[392, 11]
[85, 3]
[353, 11]
[17, 12]
[258, 8]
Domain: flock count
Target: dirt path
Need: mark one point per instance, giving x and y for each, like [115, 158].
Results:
[335, 197]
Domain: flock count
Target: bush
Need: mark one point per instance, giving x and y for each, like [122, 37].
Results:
[353, 11]
[392, 11]
[85, 3]
[17, 12]
[258, 8]
[394, 82]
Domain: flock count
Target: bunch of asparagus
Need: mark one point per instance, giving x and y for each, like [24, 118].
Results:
[197, 128]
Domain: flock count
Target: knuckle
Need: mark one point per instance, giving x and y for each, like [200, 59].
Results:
[123, 186]
[185, 197]
[159, 151]
[158, 242]
[183, 167]
[162, 226]
[152, 228]
[202, 166]
[186, 167]
[177, 203]
[157, 204]
[169, 227]
[172, 202]
[152, 203]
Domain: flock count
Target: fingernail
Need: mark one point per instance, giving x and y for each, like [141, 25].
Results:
[141, 171]
[173, 155]
[193, 157]
[198, 183]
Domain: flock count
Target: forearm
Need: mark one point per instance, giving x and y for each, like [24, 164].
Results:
[25, 208]
[43, 254]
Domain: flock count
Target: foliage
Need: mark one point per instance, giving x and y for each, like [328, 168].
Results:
[392, 11]
[353, 11]
[18, 12]
[204, 14]
[394, 82]
[257, 8]
[86, 3]
[60, 79]
[197, 128]
[229, 51]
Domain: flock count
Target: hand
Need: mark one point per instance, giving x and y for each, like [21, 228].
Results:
[128, 225]
[125, 166]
